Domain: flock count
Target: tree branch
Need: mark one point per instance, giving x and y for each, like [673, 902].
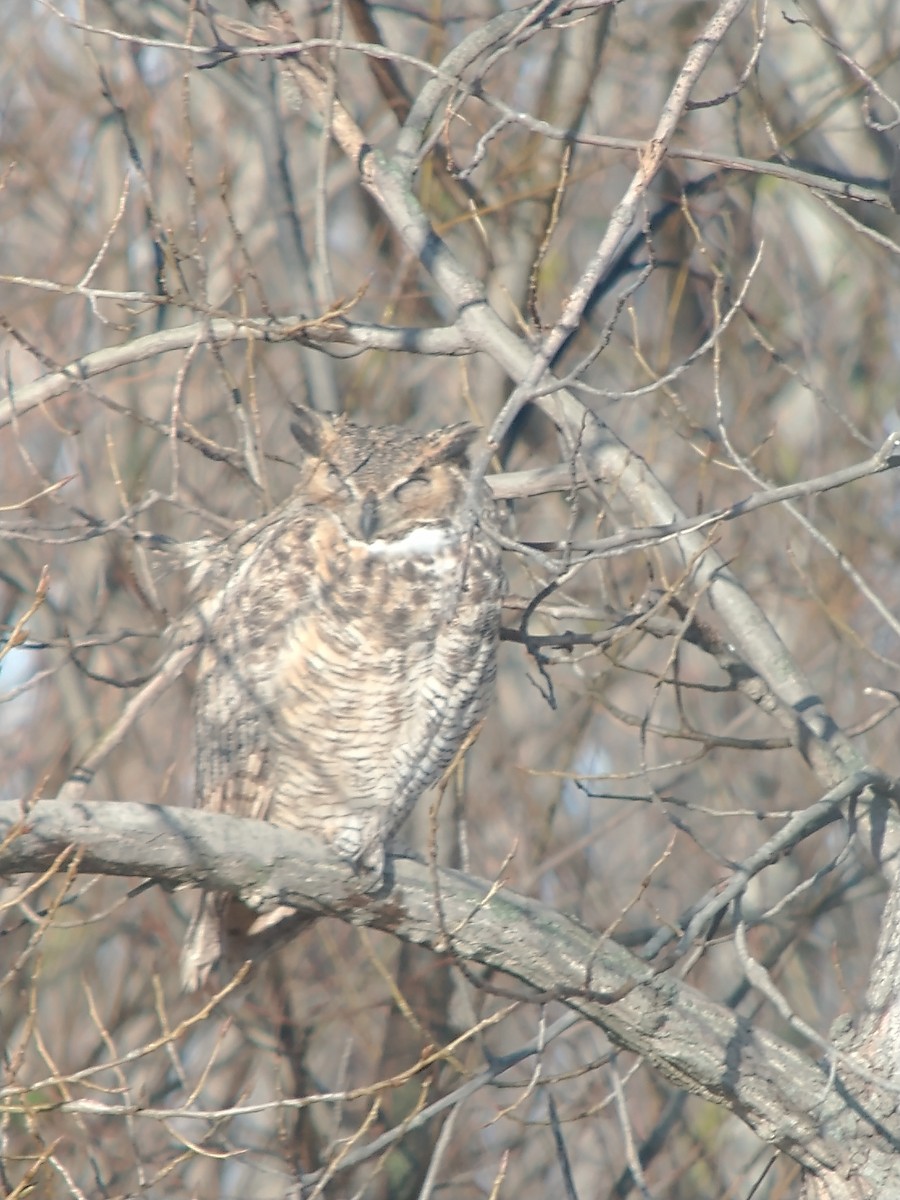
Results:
[604, 455]
[312, 332]
[697, 1044]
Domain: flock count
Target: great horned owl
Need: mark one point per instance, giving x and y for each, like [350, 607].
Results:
[348, 648]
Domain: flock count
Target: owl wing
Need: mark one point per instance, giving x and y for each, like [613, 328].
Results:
[262, 586]
[244, 631]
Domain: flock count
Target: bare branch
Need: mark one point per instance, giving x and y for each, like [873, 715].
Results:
[686, 1036]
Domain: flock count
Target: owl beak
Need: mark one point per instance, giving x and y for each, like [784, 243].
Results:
[368, 516]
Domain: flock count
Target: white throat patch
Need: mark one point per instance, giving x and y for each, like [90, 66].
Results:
[426, 540]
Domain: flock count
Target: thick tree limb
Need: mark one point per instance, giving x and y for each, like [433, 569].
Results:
[790, 1101]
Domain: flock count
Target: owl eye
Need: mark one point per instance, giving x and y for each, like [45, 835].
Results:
[333, 479]
[412, 488]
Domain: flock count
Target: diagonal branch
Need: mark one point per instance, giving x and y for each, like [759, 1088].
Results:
[603, 455]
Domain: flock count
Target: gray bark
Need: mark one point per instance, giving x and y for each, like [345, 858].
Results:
[837, 1117]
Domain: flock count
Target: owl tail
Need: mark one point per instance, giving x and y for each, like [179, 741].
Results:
[225, 928]
[204, 943]
[218, 930]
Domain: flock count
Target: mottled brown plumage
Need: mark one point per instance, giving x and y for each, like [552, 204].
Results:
[348, 648]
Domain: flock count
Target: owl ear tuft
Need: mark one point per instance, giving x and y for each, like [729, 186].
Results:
[451, 444]
[314, 433]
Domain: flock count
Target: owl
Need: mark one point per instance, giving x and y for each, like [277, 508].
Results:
[348, 649]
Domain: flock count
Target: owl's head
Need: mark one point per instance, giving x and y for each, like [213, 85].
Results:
[383, 483]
